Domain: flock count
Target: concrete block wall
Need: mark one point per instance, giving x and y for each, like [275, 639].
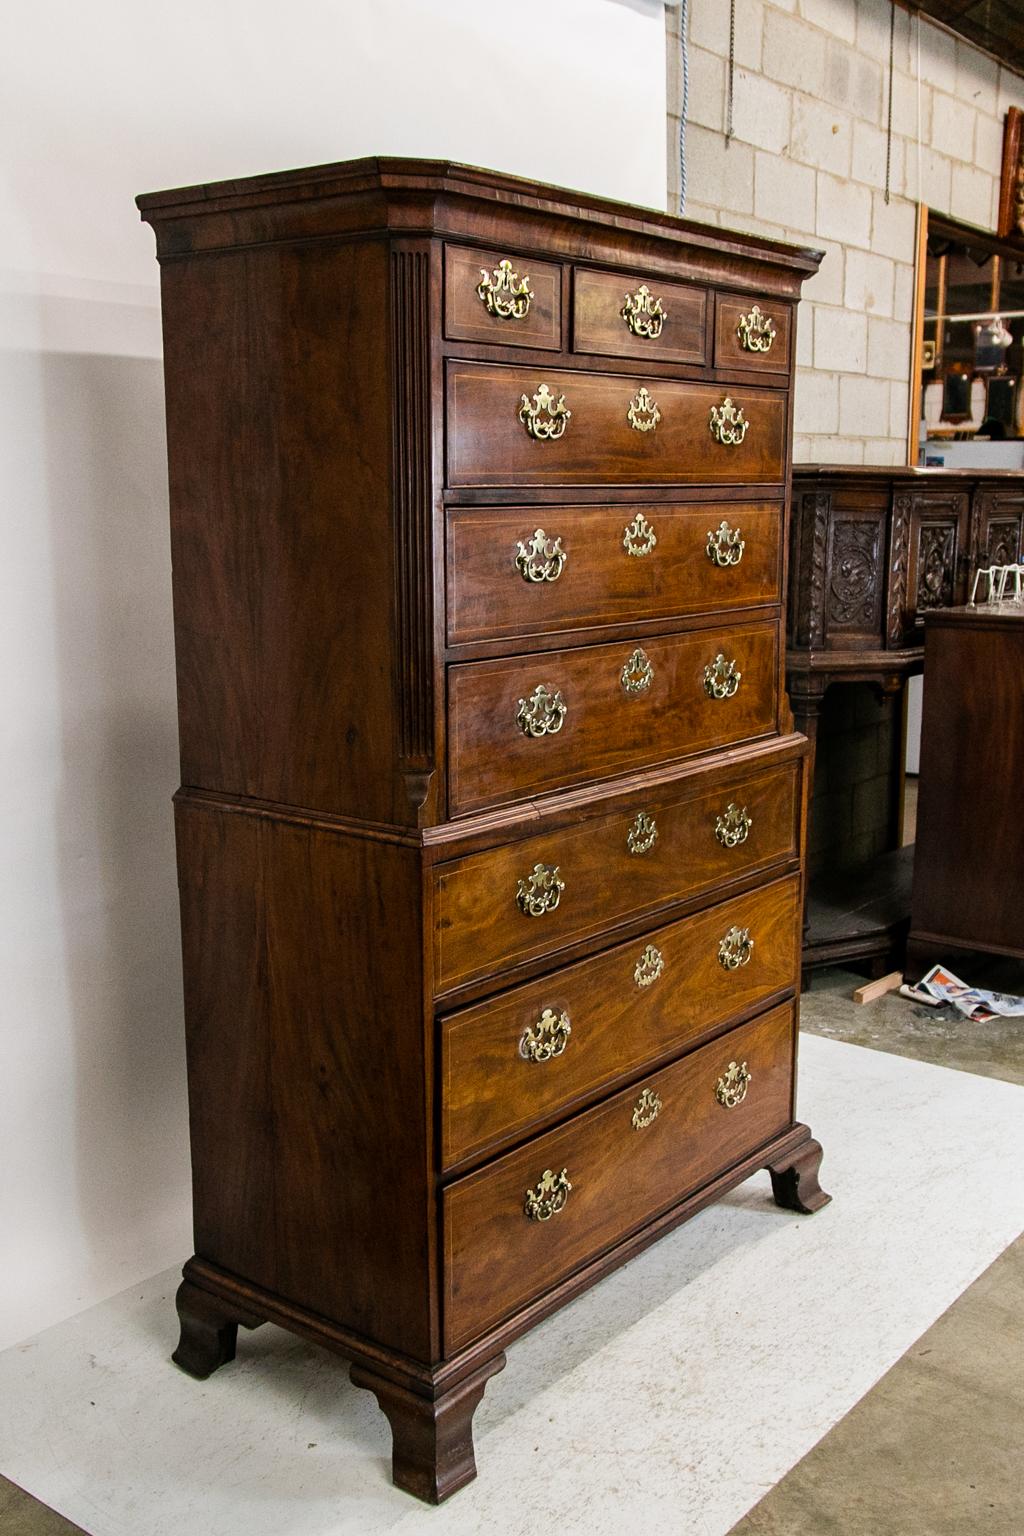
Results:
[807, 163]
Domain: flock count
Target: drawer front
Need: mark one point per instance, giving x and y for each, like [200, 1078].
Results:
[524, 725]
[499, 297]
[710, 832]
[606, 565]
[744, 334]
[625, 1164]
[527, 426]
[511, 1064]
[621, 316]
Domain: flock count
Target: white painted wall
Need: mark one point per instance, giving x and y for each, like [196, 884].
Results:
[99, 102]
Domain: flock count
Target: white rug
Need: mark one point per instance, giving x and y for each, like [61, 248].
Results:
[670, 1398]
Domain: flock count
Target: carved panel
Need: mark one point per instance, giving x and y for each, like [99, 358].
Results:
[854, 575]
[809, 571]
[939, 542]
[898, 559]
[1003, 542]
[936, 561]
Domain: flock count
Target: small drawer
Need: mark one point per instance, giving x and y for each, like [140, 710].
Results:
[499, 297]
[618, 315]
[712, 829]
[527, 725]
[512, 1064]
[519, 1226]
[509, 577]
[519, 426]
[752, 334]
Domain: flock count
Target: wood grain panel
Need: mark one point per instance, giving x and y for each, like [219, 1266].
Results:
[496, 1258]
[729, 349]
[600, 326]
[466, 317]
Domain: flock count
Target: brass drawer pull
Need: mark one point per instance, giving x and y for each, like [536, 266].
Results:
[637, 674]
[727, 422]
[643, 313]
[731, 1088]
[547, 1038]
[543, 559]
[503, 293]
[548, 1197]
[642, 835]
[733, 826]
[646, 1110]
[724, 546]
[544, 418]
[643, 414]
[639, 538]
[756, 331]
[542, 713]
[721, 678]
[735, 949]
[649, 967]
[540, 892]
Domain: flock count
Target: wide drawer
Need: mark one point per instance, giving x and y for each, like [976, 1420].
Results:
[518, 1226]
[527, 724]
[497, 297]
[529, 426]
[515, 1062]
[491, 913]
[752, 335]
[507, 576]
[621, 316]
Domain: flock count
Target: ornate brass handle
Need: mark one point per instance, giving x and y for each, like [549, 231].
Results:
[547, 1038]
[542, 713]
[731, 1088]
[649, 967]
[643, 834]
[721, 678]
[724, 546]
[504, 293]
[756, 331]
[542, 559]
[639, 538]
[544, 417]
[548, 1197]
[735, 949]
[733, 826]
[637, 673]
[727, 422]
[643, 313]
[646, 1110]
[643, 414]
[540, 892]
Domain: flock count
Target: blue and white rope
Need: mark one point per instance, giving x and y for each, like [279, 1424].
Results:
[684, 59]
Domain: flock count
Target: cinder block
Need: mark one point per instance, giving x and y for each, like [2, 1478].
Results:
[988, 145]
[837, 17]
[893, 228]
[707, 90]
[972, 195]
[761, 111]
[1011, 91]
[709, 28]
[936, 178]
[938, 57]
[953, 127]
[870, 282]
[873, 33]
[816, 406]
[793, 52]
[903, 293]
[888, 349]
[839, 450]
[784, 192]
[899, 410]
[905, 107]
[885, 450]
[853, 81]
[868, 160]
[718, 172]
[826, 286]
[863, 406]
[844, 211]
[977, 78]
[805, 336]
[821, 136]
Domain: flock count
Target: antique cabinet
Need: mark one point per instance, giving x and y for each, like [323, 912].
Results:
[491, 818]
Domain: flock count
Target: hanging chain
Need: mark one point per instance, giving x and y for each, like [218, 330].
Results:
[732, 71]
[888, 137]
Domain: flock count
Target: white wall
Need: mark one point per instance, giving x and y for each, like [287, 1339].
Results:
[98, 102]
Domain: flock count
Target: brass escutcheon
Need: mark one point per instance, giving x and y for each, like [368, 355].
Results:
[637, 673]
[646, 1110]
[756, 331]
[547, 1038]
[721, 678]
[643, 313]
[639, 538]
[540, 892]
[731, 1088]
[504, 293]
[544, 418]
[727, 423]
[649, 967]
[733, 826]
[643, 834]
[542, 713]
[725, 546]
[547, 1197]
[735, 949]
[643, 414]
[542, 559]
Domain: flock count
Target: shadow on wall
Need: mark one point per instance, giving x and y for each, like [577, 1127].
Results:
[103, 430]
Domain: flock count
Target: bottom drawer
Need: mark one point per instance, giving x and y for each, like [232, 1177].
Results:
[520, 1225]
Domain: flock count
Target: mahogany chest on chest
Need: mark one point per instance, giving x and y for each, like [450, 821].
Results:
[491, 820]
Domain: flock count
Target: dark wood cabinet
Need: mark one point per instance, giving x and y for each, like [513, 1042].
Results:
[491, 821]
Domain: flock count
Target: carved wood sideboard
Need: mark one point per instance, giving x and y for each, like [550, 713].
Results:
[491, 823]
[873, 550]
